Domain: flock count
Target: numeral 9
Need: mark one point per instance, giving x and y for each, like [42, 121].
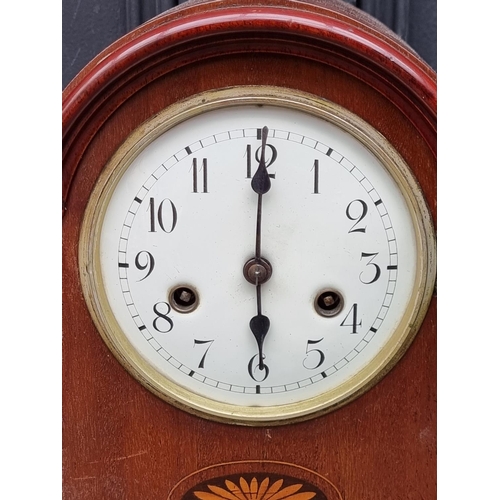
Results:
[150, 263]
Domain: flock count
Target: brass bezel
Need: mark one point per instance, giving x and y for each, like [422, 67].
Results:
[93, 289]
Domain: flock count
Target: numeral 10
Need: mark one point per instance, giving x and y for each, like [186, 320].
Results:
[157, 216]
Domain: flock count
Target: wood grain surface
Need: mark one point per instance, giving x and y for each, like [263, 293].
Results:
[119, 440]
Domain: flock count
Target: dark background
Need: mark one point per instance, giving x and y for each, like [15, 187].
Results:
[89, 26]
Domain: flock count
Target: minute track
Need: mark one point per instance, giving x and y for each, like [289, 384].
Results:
[318, 146]
[316, 179]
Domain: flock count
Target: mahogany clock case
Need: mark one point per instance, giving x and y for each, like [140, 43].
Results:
[119, 440]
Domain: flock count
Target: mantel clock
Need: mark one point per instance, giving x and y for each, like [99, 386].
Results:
[249, 259]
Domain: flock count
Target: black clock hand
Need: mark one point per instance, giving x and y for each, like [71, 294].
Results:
[261, 183]
[260, 326]
[260, 270]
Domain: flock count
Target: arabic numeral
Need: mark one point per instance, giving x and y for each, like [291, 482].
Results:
[376, 269]
[352, 316]
[253, 366]
[357, 210]
[312, 354]
[202, 342]
[145, 263]
[204, 171]
[159, 216]
[316, 177]
[270, 159]
[162, 323]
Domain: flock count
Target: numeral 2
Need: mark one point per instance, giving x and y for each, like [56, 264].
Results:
[357, 218]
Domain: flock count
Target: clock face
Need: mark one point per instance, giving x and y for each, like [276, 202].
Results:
[253, 304]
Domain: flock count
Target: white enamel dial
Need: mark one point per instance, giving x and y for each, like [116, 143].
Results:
[174, 222]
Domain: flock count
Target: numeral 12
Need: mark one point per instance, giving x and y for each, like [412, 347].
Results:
[269, 161]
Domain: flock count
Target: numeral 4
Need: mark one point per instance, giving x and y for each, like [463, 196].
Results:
[352, 316]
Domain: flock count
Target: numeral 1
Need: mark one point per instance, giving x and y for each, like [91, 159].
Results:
[316, 177]
[195, 175]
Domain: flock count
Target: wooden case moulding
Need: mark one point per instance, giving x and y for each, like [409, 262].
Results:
[209, 30]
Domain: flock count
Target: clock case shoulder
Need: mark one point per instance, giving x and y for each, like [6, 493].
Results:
[195, 34]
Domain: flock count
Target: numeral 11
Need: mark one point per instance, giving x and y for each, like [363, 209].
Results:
[195, 175]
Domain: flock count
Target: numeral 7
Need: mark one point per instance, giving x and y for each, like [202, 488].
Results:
[201, 342]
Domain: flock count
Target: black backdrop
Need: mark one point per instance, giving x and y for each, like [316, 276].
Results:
[88, 26]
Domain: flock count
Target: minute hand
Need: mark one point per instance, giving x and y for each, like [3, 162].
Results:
[261, 184]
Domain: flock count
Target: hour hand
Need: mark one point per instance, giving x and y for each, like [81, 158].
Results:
[260, 326]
